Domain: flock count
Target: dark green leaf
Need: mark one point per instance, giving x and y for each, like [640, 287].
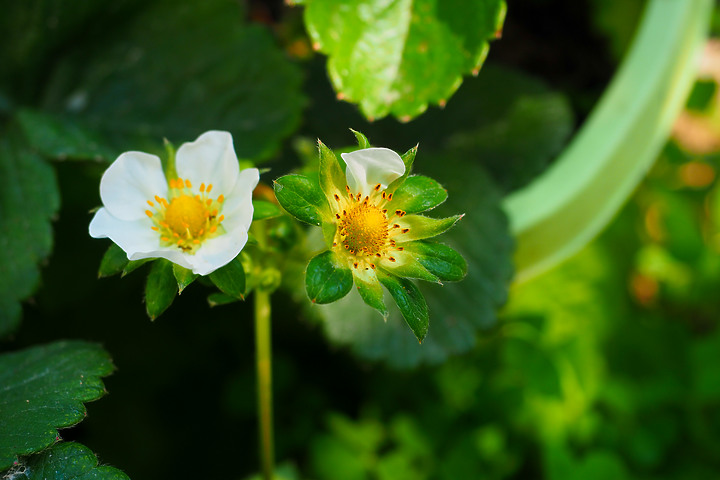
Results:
[156, 80]
[183, 276]
[410, 302]
[440, 260]
[301, 197]
[66, 461]
[58, 139]
[263, 210]
[160, 289]
[396, 58]
[230, 279]
[418, 194]
[113, 262]
[43, 389]
[325, 280]
[28, 200]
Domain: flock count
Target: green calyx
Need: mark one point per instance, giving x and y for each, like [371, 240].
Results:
[375, 235]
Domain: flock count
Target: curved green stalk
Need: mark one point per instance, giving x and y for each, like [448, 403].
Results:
[577, 196]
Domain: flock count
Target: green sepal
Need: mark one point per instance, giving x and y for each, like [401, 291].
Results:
[408, 159]
[440, 260]
[331, 176]
[216, 299]
[160, 289]
[411, 303]
[230, 279]
[168, 164]
[326, 280]
[133, 265]
[183, 276]
[421, 227]
[113, 262]
[362, 140]
[418, 194]
[301, 198]
[370, 291]
[328, 230]
[263, 210]
[408, 267]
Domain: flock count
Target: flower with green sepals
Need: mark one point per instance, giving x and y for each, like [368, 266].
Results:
[370, 220]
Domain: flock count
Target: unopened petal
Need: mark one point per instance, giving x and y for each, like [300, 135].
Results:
[369, 167]
[132, 180]
[210, 159]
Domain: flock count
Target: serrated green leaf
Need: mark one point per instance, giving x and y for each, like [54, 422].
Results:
[396, 58]
[182, 87]
[230, 279]
[263, 210]
[113, 262]
[325, 280]
[43, 389]
[411, 303]
[28, 200]
[65, 461]
[160, 288]
[56, 138]
[301, 197]
[418, 194]
[183, 276]
[440, 260]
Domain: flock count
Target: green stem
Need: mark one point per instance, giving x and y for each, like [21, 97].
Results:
[571, 202]
[264, 378]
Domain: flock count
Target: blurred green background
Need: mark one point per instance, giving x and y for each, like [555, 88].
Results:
[608, 366]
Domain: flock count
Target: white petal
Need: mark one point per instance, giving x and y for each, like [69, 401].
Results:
[130, 235]
[129, 182]
[135, 237]
[238, 208]
[370, 166]
[210, 159]
[217, 252]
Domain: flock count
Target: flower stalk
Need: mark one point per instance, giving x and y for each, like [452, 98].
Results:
[264, 381]
[263, 361]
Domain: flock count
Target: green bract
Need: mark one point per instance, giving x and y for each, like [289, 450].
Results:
[370, 222]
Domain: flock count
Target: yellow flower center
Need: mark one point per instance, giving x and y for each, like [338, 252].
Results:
[365, 228]
[189, 218]
[186, 214]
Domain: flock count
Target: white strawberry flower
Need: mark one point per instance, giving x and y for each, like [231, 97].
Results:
[199, 220]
